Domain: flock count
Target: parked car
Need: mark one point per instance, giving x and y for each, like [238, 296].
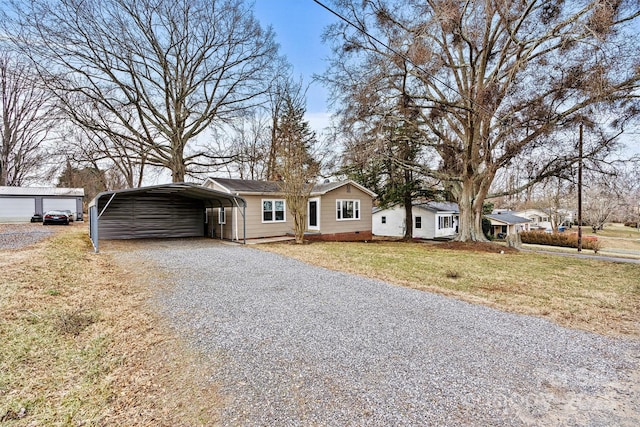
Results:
[36, 218]
[55, 217]
[69, 215]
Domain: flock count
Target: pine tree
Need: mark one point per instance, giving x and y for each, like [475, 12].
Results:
[296, 168]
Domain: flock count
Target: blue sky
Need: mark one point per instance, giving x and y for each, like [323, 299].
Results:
[298, 25]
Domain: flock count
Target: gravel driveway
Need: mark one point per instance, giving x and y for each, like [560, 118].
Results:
[18, 236]
[301, 345]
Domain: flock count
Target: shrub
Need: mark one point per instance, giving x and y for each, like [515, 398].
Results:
[567, 240]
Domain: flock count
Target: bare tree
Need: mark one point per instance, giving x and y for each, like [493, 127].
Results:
[294, 163]
[249, 146]
[600, 205]
[493, 81]
[101, 151]
[26, 121]
[151, 76]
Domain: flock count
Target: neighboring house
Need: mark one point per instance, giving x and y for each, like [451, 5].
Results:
[19, 204]
[539, 219]
[506, 223]
[431, 220]
[335, 211]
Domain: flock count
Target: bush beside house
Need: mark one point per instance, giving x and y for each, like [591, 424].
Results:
[559, 239]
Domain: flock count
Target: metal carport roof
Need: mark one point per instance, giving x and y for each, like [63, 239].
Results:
[182, 189]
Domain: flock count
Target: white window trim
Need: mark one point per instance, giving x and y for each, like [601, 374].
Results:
[222, 216]
[317, 227]
[356, 208]
[273, 201]
[441, 222]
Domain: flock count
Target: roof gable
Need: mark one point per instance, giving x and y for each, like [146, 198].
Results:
[326, 187]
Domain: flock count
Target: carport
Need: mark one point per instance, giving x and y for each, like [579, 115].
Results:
[160, 211]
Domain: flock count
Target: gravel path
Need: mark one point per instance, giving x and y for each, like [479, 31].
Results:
[300, 345]
[18, 236]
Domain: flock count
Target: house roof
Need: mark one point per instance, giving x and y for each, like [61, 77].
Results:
[439, 206]
[184, 189]
[249, 186]
[41, 191]
[507, 218]
[326, 187]
[431, 206]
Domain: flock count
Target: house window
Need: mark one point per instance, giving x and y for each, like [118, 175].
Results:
[222, 217]
[445, 222]
[384, 219]
[273, 210]
[347, 209]
[418, 222]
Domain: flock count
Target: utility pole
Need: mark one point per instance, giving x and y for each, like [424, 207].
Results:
[580, 190]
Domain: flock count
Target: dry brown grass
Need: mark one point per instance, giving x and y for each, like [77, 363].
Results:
[596, 296]
[82, 346]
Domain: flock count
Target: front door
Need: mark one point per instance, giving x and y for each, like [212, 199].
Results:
[313, 214]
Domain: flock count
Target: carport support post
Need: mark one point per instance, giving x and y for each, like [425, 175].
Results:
[244, 224]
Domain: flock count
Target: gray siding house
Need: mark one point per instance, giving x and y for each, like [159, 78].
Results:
[335, 211]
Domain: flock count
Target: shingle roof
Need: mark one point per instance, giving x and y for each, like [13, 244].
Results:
[508, 218]
[41, 191]
[254, 186]
[439, 206]
[248, 185]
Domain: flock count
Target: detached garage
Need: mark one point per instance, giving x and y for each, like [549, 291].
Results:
[19, 204]
[161, 211]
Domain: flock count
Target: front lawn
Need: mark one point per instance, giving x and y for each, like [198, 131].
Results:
[602, 297]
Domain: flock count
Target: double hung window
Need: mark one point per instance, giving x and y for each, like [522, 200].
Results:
[445, 222]
[273, 210]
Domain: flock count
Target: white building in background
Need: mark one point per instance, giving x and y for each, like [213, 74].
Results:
[431, 220]
[19, 204]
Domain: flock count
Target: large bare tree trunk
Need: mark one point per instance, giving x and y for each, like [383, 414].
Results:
[408, 220]
[471, 194]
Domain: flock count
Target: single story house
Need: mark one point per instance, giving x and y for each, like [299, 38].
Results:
[431, 220]
[19, 204]
[338, 211]
[505, 223]
[539, 219]
[542, 220]
[159, 211]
